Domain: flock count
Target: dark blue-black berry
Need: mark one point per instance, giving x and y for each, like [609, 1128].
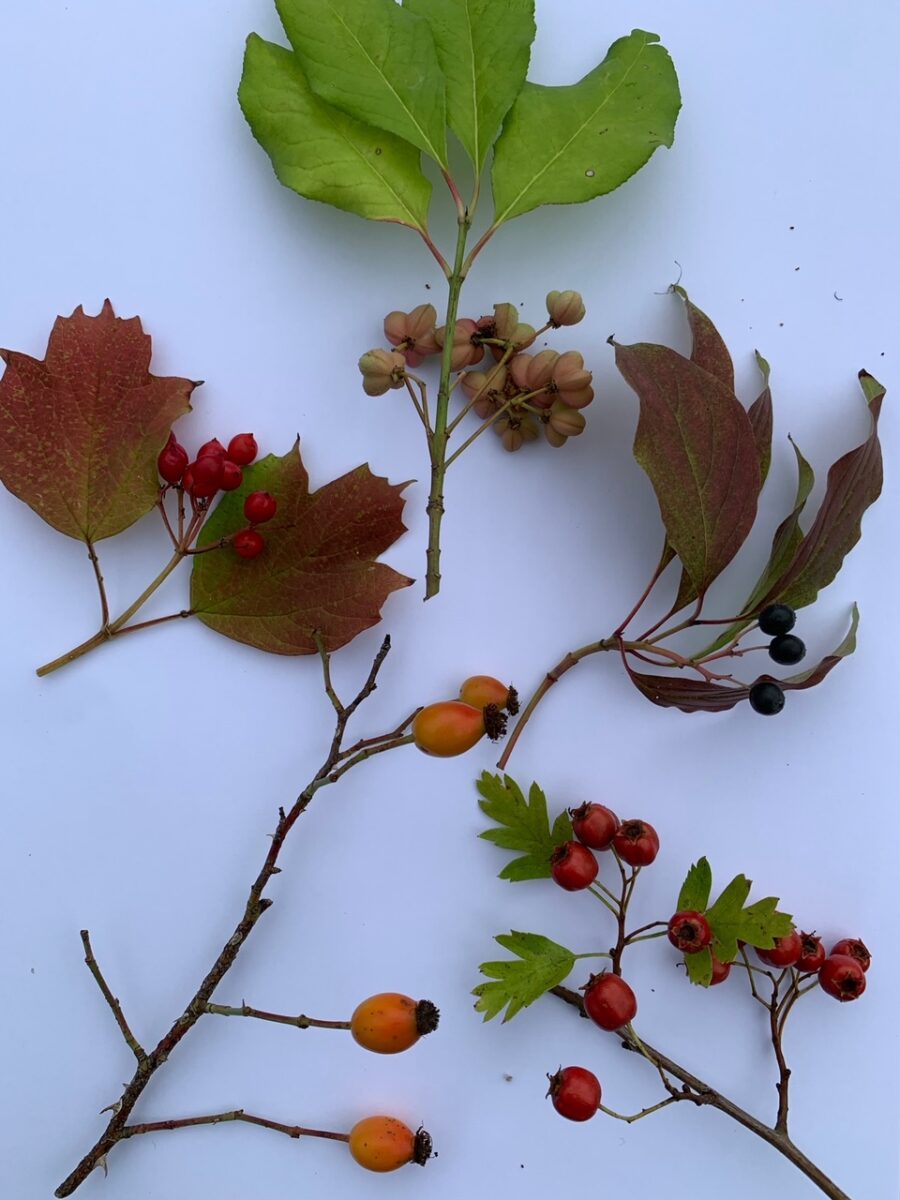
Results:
[777, 619]
[787, 650]
[766, 698]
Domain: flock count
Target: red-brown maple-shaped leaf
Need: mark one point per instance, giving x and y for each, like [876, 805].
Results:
[318, 570]
[80, 430]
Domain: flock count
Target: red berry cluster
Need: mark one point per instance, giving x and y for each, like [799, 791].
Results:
[219, 469]
[842, 973]
[596, 827]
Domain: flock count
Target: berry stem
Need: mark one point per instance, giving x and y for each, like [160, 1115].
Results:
[508, 352]
[237, 1114]
[301, 1021]
[256, 904]
[702, 1094]
[101, 586]
[645, 1112]
[440, 436]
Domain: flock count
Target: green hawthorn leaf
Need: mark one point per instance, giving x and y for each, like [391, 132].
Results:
[699, 967]
[81, 429]
[320, 152]
[696, 444]
[376, 62]
[483, 47]
[318, 571]
[694, 894]
[854, 483]
[761, 923]
[522, 825]
[565, 145]
[730, 921]
[515, 984]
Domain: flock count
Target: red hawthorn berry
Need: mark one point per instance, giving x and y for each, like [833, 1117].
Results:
[232, 476]
[248, 543]
[856, 949]
[720, 971]
[573, 866]
[636, 843]
[213, 449]
[575, 1093]
[842, 977]
[594, 825]
[260, 507]
[812, 954]
[784, 953]
[689, 932]
[609, 1001]
[172, 461]
[242, 449]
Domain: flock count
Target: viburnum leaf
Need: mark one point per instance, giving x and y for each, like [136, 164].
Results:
[80, 429]
[565, 145]
[323, 154]
[522, 825]
[757, 925]
[515, 984]
[374, 60]
[694, 894]
[854, 483]
[699, 967]
[483, 47]
[318, 571]
[695, 441]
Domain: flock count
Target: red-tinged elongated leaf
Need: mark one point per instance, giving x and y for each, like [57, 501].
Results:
[696, 444]
[761, 422]
[815, 675]
[708, 348]
[854, 483]
[317, 572]
[690, 695]
[80, 429]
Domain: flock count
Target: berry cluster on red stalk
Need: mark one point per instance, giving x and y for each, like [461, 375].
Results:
[714, 937]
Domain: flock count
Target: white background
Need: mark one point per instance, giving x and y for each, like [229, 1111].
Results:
[140, 785]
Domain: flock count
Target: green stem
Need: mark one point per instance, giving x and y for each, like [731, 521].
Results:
[301, 1021]
[440, 435]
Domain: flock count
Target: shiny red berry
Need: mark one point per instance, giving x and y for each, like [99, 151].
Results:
[812, 954]
[248, 543]
[187, 481]
[720, 971]
[842, 977]
[575, 1093]
[856, 949]
[785, 952]
[232, 476]
[213, 449]
[636, 843]
[260, 507]
[172, 461]
[594, 825]
[242, 449]
[206, 476]
[609, 1001]
[689, 932]
[573, 866]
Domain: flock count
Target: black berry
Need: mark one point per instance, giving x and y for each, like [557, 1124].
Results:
[787, 650]
[777, 619]
[766, 698]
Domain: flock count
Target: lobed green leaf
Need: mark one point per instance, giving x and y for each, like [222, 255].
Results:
[699, 967]
[522, 825]
[694, 894]
[514, 985]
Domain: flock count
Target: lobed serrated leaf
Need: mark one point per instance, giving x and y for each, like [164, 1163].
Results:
[699, 967]
[523, 825]
[376, 62]
[318, 571]
[566, 145]
[483, 47]
[694, 894]
[80, 429]
[324, 154]
[757, 925]
[542, 964]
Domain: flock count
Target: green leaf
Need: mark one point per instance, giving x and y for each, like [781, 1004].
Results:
[375, 61]
[696, 444]
[699, 967]
[514, 985]
[854, 483]
[483, 47]
[694, 894]
[323, 154]
[565, 145]
[524, 826]
[814, 675]
[731, 922]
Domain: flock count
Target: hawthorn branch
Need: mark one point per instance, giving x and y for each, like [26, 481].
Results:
[237, 1114]
[702, 1094]
[300, 1022]
[117, 1128]
[115, 1007]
